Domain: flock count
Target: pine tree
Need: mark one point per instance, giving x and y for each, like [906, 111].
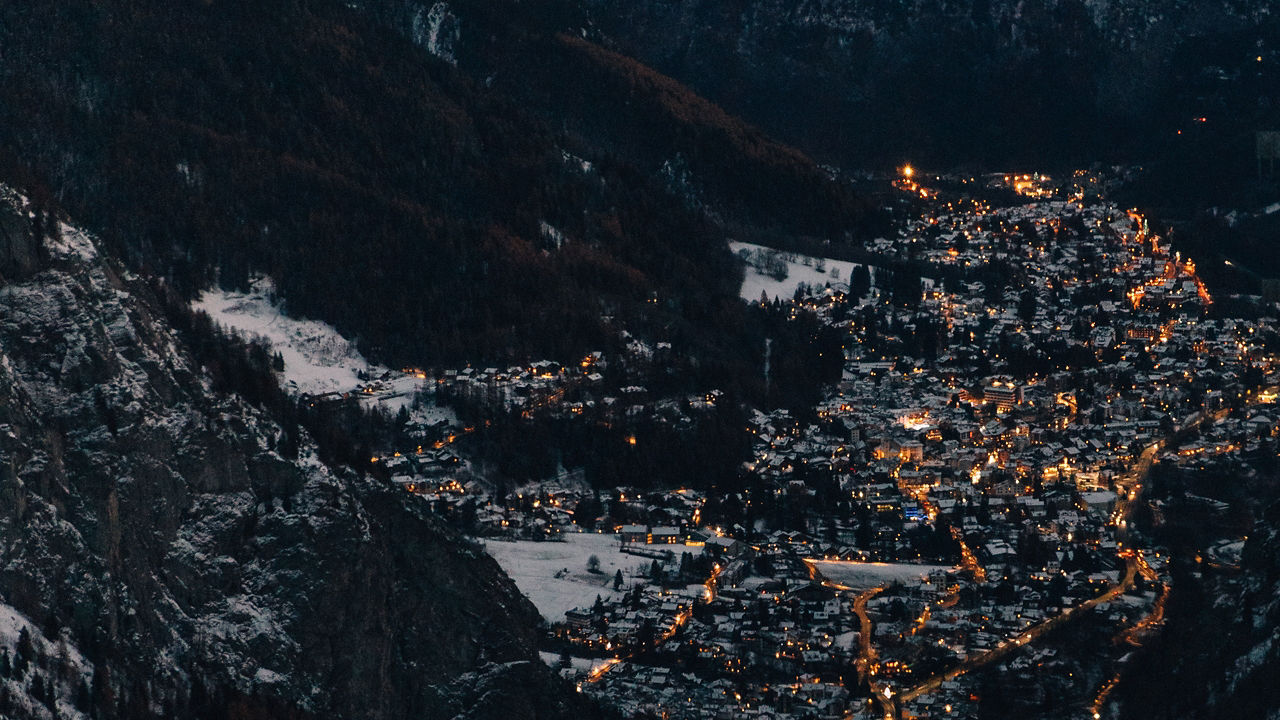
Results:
[26, 652]
[82, 699]
[37, 686]
[101, 692]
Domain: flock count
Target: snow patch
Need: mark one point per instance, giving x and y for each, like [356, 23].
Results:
[268, 677]
[72, 243]
[777, 273]
[553, 575]
[866, 575]
[577, 665]
[437, 31]
[317, 359]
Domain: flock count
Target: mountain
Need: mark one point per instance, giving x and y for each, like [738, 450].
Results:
[1043, 83]
[163, 556]
[519, 192]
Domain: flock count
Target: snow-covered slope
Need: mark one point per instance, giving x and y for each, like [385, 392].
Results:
[41, 677]
[317, 358]
[863, 575]
[553, 575]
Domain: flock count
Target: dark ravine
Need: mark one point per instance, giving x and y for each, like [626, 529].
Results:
[147, 522]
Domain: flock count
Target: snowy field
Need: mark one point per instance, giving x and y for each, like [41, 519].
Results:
[866, 575]
[816, 272]
[584, 666]
[553, 575]
[317, 359]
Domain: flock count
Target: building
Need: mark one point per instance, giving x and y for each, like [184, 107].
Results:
[1005, 395]
[665, 535]
[634, 534]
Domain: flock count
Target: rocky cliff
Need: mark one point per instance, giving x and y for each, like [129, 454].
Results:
[164, 561]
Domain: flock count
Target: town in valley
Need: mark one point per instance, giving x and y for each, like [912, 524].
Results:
[962, 524]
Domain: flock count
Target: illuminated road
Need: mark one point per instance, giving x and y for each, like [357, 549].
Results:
[1131, 484]
[1129, 497]
[866, 653]
[1130, 488]
[968, 560]
[1027, 637]
[865, 664]
[709, 594]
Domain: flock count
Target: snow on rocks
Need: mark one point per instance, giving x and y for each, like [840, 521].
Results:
[73, 670]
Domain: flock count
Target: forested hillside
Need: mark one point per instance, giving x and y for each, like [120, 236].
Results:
[990, 83]
[487, 208]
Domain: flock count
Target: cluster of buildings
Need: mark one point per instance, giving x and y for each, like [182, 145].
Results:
[998, 430]
[586, 390]
[1021, 427]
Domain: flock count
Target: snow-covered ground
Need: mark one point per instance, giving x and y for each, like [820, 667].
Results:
[815, 272]
[553, 575]
[847, 640]
[584, 666]
[866, 575]
[1228, 552]
[317, 359]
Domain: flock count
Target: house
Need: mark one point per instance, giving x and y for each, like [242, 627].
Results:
[665, 535]
[578, 618]
[724, 547]
[634, 534]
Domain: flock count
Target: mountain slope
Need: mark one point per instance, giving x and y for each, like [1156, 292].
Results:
[1038, 82]
[149, 522]
[484, 209]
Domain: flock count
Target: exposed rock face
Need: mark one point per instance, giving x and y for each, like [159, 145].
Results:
[19, 250]
[152, 522]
